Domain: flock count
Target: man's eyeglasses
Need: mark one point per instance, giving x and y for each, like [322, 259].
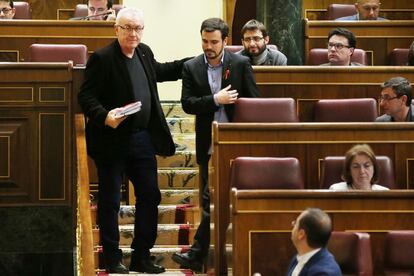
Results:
[387, 98]
[129, 29]
[5, 10]
[337, 46]
[253, 38]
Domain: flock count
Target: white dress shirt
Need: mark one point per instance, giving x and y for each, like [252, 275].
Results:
[302, 260]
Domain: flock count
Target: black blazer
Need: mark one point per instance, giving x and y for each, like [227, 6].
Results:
[108, 85]
[197, 98]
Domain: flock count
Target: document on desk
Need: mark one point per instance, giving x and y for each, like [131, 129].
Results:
[128, 109]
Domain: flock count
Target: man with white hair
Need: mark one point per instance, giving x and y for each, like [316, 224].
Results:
[123, 72]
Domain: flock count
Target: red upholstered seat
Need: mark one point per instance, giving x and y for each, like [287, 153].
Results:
[340, 10]
[255, 110]
[399, 56]
[81, 10]
[318, 56]
[23, 10]
[78, 53]
[398, 251]
[236, 48]
[332, 167]
[233, 48]
[346, 110]
[266, 173]
[352, 252]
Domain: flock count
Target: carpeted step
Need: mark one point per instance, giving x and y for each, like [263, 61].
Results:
[162, 256]
[167, 214]
[174, 109]
[181, 159]
[167, 234]
[176, 178]
[168, 178]
[184, 141]
[181, 124]
[182, 196]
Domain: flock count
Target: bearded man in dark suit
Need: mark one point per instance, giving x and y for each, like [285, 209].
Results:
[212, 82]
[123, 72]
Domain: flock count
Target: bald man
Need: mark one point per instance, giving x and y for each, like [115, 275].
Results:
[367, 10]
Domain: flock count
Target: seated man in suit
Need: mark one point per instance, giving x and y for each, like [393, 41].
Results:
[255, 40]
[101, 10]
[341, 46]
[395, 100]
[367, 10]
[310, 235]
[7, 10]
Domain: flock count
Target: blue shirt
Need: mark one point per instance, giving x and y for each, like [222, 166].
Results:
[215, 74]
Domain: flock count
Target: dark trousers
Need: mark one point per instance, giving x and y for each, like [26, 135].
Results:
[140, 166]
[202, 236]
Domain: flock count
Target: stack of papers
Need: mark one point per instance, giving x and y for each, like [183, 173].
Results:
[128, 109]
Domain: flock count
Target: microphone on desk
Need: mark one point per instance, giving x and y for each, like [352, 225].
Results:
[91, 16]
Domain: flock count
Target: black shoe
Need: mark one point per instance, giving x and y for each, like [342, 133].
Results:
[146, 265]
[118, 268]
[188, 260]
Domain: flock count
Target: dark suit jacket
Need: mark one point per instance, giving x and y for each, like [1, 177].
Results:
[197, 98]
[108, 85]
[322, 263]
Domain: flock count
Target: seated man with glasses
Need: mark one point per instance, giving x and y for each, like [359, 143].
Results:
[255, 40]
[395, 101]
[366, 10]
[99, 10]
[341, 46]
[7, 9]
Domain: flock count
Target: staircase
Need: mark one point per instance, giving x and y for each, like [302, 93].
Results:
[178, 211]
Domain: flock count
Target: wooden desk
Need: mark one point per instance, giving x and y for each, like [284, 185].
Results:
[310, 143]
[378, 38]
[36, 134]
[262, 223]
[307, 84]
[17, 35]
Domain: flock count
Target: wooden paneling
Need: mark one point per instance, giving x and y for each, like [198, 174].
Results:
[378, 37]
[17, 35]
[262, 223]
[308, 142]
[36, 129]
[307, 84]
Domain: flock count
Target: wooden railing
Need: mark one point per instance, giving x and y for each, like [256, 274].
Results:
[85, 254]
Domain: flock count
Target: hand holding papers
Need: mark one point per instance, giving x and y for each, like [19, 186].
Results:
[128, 109]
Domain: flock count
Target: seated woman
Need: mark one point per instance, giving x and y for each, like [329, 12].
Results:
[360, 170]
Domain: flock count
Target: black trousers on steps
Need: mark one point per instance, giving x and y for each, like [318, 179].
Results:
[202, 236]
